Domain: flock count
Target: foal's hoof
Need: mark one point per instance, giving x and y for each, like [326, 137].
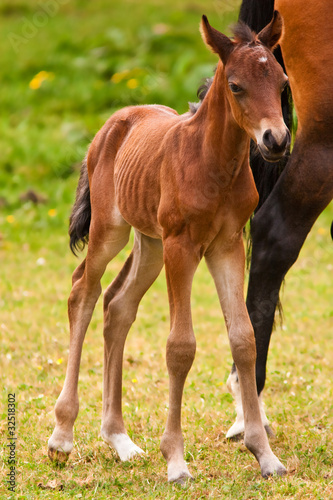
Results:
[178, 473]
[57, 456]
[183, 479]
[59, 447]
[271, 469]
[123, 445]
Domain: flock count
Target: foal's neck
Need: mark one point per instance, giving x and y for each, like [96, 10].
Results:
[222, 136]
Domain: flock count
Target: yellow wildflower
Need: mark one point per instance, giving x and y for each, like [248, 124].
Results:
[132, 83]
[38, 79]
[59, 361]
[52, 212]
[130, 75]
[10, 219]
[118, 77]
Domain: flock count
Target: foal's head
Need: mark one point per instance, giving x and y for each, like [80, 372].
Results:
[253, 82]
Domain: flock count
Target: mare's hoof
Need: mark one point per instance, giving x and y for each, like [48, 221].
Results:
[236, 437]
[57, 456]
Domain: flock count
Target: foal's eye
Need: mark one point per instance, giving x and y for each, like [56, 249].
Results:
[235, 89]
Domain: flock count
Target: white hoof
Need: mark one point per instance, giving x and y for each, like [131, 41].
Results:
[236, 429]
[59, 448]
[272, 466]
[179, 473]
[123, 445]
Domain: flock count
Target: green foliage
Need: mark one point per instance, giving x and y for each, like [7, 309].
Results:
[68, 65]
[59, 82]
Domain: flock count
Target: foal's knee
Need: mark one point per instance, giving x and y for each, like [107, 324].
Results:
[66, 409]
[243, 347]
[180, 352]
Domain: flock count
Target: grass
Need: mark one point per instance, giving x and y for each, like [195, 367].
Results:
[91, 51]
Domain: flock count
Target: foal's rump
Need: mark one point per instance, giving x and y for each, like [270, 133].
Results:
[124, 163]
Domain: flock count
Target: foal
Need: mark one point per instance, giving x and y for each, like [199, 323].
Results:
[184, 184]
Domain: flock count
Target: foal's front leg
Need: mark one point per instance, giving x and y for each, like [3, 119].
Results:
[227, 269]
[181, 262]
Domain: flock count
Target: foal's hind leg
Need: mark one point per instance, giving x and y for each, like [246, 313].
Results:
[227, 270]
[85, 291]
[121, 302]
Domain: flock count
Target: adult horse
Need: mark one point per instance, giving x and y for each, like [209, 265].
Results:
[185, 185]
[305, 186]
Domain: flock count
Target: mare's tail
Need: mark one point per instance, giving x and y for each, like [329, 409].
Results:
[257, 14]
[79, 221]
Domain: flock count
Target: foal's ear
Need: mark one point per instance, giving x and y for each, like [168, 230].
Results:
[216, 41]
[271, 34]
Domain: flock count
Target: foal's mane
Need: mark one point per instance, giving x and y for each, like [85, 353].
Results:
[242, 34]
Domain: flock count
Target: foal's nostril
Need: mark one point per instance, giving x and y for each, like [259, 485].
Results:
[271, 143]
[268, 139]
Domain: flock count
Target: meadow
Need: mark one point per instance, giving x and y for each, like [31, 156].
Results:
[66, 66]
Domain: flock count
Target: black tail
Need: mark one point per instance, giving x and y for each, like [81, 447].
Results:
[256, 14]
[79, 221]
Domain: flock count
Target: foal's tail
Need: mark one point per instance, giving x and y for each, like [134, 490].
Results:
[79, 221]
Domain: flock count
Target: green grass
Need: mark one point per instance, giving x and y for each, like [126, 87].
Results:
[44, 134]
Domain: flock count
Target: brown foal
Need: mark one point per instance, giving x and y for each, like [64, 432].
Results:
[184, 184]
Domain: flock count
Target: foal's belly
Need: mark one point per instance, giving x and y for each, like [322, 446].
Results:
[137, 187]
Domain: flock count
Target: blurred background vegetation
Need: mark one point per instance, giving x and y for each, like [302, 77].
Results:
[67, 65]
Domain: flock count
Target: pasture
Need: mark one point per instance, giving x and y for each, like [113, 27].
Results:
[65, 68]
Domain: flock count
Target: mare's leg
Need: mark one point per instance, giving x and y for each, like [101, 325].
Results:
[227, 269]
[237, 429]
[181, 261]
[278, 233]
[103, 246]
[121, 302]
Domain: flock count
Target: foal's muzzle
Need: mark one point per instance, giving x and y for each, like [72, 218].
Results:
[274, 144]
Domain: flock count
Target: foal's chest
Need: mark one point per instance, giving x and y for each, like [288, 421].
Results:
[208, 204]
